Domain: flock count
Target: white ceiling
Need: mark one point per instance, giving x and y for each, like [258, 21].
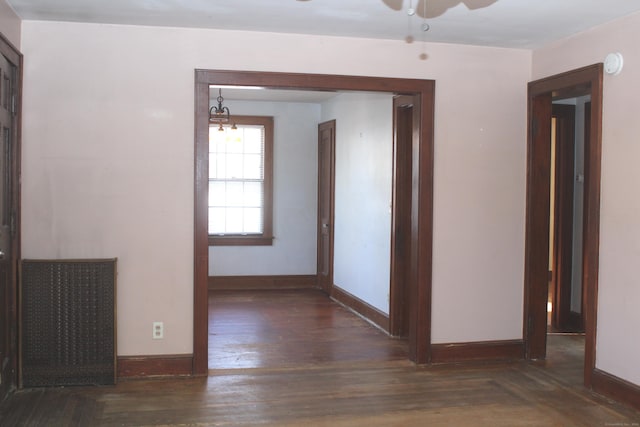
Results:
[504, 23]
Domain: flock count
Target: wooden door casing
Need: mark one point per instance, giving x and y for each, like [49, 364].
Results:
[421, 189]
[583, 81]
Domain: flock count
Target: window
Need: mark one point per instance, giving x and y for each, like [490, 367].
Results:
[240, 182]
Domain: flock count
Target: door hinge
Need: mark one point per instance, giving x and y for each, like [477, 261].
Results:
[534, 127]
[530, 325]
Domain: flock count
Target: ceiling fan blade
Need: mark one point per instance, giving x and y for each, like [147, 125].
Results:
[393, 4]
[435, 8]
[478, 4]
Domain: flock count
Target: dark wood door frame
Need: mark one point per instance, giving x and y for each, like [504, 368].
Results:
[583, 81]
[326, 202]
[421, 190]
[405, 118]
[9, 313]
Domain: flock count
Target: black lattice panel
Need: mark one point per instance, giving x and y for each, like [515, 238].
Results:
[68, 325]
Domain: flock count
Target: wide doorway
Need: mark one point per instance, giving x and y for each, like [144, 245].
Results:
[419, 282]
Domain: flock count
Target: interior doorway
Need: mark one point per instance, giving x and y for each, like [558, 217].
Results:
[569, 136]
[546, 243]
[421, 190]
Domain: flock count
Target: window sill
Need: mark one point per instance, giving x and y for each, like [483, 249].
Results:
[240, 241]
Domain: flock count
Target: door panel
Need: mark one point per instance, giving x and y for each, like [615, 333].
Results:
[326, 164]
[9, 85]
[563, 216]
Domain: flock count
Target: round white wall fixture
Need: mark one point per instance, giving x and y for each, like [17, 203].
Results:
[613, 63]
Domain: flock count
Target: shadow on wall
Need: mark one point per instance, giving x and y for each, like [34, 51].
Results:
[435, 8]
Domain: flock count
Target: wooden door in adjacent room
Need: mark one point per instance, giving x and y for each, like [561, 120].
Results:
[326, 185]
[10, 68]
[562, 213]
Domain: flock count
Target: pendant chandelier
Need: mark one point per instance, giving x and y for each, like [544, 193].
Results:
[220, 114]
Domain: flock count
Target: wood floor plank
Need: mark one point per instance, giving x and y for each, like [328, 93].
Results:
[313, 363]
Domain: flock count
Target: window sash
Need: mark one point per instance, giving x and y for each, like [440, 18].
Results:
[238, 180]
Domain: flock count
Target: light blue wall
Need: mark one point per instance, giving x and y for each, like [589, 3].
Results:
[364, 156]
[294, 196]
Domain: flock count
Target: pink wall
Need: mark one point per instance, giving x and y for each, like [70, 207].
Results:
[108, 162]
[618, 350]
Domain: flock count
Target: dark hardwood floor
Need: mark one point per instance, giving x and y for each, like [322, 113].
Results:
[288, 329]
[294, 358]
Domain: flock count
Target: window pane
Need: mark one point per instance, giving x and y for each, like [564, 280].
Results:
[216, 145]
[217, 193]
[234, 220]
[252, 220]
[233, 136]
[217, 165]
[253, 194]
[234, 193]
[234, 167]
[254, 145]
[253, 166]
[217, 140]
[236, 180]
[234, 142]
[222, 166]
[217, 222]
[253, 137]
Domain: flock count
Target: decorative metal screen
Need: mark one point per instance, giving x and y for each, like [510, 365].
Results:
[68, 323]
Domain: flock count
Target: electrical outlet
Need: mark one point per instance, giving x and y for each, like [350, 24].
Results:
[158, 330]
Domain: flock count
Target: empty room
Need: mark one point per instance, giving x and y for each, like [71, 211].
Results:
[319, 212]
